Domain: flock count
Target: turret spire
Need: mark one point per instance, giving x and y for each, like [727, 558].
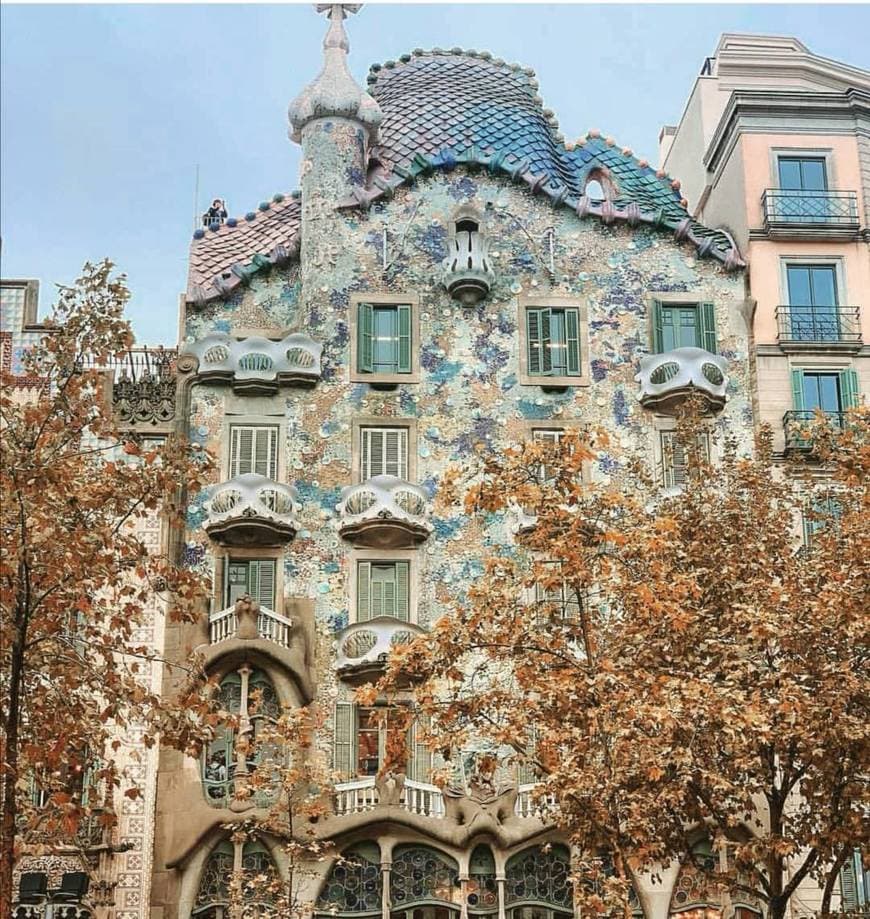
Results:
[334, 93]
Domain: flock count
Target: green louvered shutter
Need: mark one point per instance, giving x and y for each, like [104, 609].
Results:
[572, 336]
[402, 605]
[546, 343]
[365, 321]
[797, 390]
[526, 774]
[658, 327]
[343, 741]
[404, 339]
[848, 389]
[363, 591]
[419, 754]
[708, 327]
[849, 885]
[262, 582]
[533, 335]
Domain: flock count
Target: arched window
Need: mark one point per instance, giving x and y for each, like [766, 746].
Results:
[250, 697]
[355, 884]
[482, 887]
[423, 877]
[595, 191]
[696, 891]
[538, 885]
[213, 894]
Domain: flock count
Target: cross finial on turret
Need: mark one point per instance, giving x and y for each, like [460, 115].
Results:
[336, 13]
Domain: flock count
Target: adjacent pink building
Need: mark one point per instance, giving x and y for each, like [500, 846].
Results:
[774, 147]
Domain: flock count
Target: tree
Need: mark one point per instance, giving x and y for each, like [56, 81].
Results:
[76, 575]
[670, 664]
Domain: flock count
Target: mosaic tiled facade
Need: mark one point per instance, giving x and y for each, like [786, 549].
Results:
[439, 211]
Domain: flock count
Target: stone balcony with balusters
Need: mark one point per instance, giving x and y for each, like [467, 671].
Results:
[252, 510]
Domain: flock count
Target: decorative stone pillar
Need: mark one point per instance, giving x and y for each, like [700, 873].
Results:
[386, 905]
[241, 773]
[502, 912]
[463, 893]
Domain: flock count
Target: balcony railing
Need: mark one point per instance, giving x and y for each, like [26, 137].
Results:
[795, 424]
[528, 806]
[364, 647]
[384, 512]
[812, 324]
[251, 510]
[832, 212]
[361, 795]
[667, 379]
[272, 626]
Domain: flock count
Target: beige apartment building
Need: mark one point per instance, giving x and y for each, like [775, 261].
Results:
[774, 148]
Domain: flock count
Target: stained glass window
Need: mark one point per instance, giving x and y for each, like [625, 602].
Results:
[213, 895]
[354, 884]
[482, 886]
[540, 875]
[420, 874]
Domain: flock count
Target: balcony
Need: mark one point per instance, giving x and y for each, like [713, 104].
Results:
[257, 366]
[384, 512]
[361, 795]
[229, 623]
[790, 213]
[668, 379]
[815, 327]
[795, 425]
[363, 648]
[468, 275]
[251, 510]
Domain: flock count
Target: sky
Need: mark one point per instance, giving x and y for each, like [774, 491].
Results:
[106, 111]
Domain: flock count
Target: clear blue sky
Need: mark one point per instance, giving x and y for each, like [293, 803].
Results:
[106, 110]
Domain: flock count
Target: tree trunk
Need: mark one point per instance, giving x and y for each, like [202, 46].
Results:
[9, 818]
[831, 880]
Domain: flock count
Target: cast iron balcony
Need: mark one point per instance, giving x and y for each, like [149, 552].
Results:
[363, 648]
[809, 325]
[384, 512]
[253, 365]
[667, 379]
[790, 212]
[251, 510]
[468, 275]
[795, 425]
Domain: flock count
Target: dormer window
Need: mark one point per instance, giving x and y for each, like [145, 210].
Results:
[594, 191]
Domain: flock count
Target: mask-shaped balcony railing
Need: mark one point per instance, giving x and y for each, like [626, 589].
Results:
[251, 510]
[468, 274]
[384, 512]
[363, 648]
[253, 365]
[667, 379]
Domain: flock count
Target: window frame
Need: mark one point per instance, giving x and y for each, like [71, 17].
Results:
[836, 262]
[376, 299]
[220, 575]
[668, 481]
[234, 418]
[379, 556]
[555, 302]
[810, 153]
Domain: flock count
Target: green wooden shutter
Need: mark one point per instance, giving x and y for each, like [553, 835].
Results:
[707, 316]
[658, 327]
[419, 754]
[241, 450]
[849, 886]
[572, 335]
[546, 342]
[404, 339]
[395, 452]
[363, 591]
[533, 335]
[372, 453]
[365, 321]
[848, 388]
[343, 740]
[797, 390]
[402, 605]
[262, 582]
[383, 590]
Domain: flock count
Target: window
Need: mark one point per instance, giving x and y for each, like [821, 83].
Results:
[383, 451]
[220, 762]
[553, 341]
[255, 577]
[360, 743]
[383, 590]
[684, 325]
[547, 436]
[675, 459]
[213, 896]
[820, 513]
[854, 884]
[831, 392]
[384, 340]
[813, 301]
[562, 596]
[594, 192]
[540, 877]
[802, 173]
[355, 883]
[254, 448]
